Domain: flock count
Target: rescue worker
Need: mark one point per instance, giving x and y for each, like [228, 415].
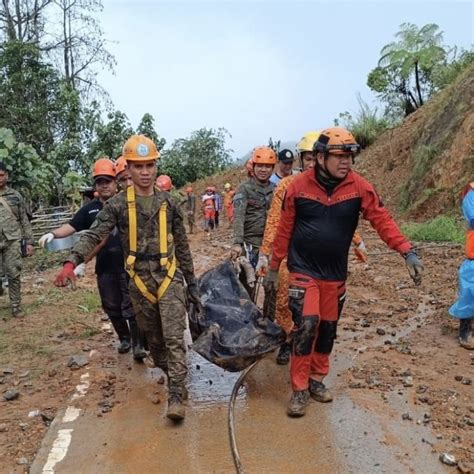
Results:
[109, 267]
[123, 177]
[228, 202]
[150, 225]
[319, 216]
[284, 167]
[218, 205]
[190, 208]
[463, 308]
[251, 204]
[14, 228]
[276, 303]
[209, 210]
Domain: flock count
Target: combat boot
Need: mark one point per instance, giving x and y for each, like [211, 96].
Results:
[283, 356]
[176, 409]
[17, 312]
[298, 403]
[319, 392]
[139, 352]
[121, 328]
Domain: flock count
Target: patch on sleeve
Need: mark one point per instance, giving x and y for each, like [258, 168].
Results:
[238, 200]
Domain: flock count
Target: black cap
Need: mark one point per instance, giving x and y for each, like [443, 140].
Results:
[286, 156]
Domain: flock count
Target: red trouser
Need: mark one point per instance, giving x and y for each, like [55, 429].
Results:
[315, 306]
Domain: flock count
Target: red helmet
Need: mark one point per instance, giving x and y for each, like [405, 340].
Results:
[103, 167]
[164, 182]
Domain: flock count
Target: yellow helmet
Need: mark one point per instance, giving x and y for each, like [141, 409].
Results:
[140, 148]
[227, 186]
[307, 141]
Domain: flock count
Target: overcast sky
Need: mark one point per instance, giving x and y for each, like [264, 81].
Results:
[259, 69]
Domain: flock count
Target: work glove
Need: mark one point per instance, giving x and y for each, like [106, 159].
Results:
[415, 267]
[45, 239]
[80, 270]
[235, 252]
[66, 275]
[262, 265]
[194, 296]
[360, 251]
[270, 283]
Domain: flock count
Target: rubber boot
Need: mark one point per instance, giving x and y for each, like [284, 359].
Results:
[283, 356]
[121, 328]
[465, 335]
[298, 403]
[176, 409]
[319, 392]
[139, 352]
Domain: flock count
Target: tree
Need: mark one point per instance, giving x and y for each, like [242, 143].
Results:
[110, 137]
[28, 173]
[81, 44]
[274, 145]
[403, 77]
[196, 157]
[147, 127]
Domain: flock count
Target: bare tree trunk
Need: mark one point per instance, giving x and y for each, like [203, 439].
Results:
[67, 71]
[418, 88]
[18, 20]
[10, 25]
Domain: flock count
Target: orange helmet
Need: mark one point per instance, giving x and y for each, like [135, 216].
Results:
[103, 167]
[336, 140]
[263, 155]
[164, 182]
[189, 189]
[120, 165]
[140, 148]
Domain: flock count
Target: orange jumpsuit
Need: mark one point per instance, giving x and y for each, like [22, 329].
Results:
[283, 314]
[229, 205]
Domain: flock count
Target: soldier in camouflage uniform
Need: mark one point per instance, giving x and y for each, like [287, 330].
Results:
[251, 204]
[162, 317]
[15, 226]
[190, 208]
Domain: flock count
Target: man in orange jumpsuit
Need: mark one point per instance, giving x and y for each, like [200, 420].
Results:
[229, 202]
[319, 216]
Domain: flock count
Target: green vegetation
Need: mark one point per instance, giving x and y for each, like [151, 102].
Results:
[202, 154]
[366, 126]
[439, 229]
[423, 158]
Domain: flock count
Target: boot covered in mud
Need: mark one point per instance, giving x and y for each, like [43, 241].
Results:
[465, 334]
[176, 408]
[319, 392]
[123, 332]
[298, 403]
[139, 352]
[284, 353]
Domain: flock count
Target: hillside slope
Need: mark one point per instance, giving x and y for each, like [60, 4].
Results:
[420, 167]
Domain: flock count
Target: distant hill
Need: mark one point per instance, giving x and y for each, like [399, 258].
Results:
[420, 167]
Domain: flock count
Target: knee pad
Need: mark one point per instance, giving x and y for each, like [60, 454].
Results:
[326, 337]
[304, 336]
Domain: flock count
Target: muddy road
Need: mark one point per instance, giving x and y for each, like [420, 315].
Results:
[402, 386]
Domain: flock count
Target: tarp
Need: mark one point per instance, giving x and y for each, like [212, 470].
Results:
[231, 332]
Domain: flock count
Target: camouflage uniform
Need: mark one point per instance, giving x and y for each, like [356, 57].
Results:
[190, 208]
[251, 204]
[14, 227]
[164, 322]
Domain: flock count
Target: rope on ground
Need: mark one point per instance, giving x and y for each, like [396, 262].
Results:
[231, 418]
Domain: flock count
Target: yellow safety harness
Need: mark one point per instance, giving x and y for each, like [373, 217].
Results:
[165, 262]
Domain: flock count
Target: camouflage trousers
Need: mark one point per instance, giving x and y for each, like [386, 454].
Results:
[10, 253]
[163, 325]
[191, 221]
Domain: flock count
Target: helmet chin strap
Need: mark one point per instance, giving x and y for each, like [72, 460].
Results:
[326, 173]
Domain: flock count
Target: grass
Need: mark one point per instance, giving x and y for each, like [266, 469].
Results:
[423, 157]
[439, 229]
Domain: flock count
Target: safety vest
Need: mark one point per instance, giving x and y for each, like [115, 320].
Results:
[166, 264]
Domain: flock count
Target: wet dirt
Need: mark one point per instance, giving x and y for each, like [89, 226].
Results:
[389, 331]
